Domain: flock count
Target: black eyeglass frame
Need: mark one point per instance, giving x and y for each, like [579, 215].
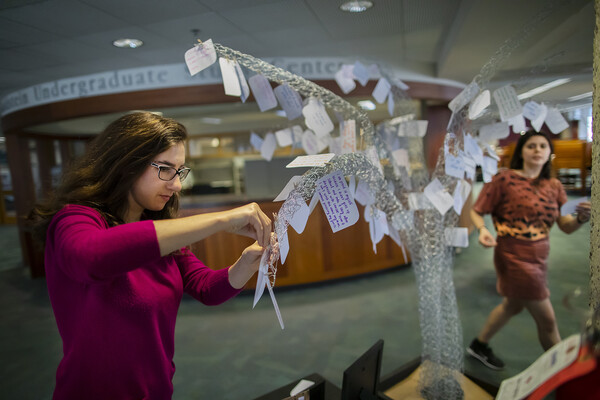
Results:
[182, 172]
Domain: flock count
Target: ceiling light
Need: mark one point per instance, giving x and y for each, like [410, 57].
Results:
[210, 120]
[127, 43]
[366, 105]
[543, 88]
[356, 6]
[581, 96]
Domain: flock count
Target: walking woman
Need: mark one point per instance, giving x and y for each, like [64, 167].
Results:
[524, 202]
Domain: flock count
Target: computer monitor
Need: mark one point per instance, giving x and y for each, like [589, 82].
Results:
[361, 379]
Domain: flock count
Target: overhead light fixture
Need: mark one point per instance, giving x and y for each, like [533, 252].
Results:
[543, 88]
[367, 105]
[581, 96]
[127, 43]
[356, 6]
[210, 120]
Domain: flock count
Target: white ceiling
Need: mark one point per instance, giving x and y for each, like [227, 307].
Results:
[47, 40]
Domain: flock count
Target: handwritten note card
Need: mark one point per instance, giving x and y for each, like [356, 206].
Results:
[262, 91]
[438, 196]
[316, 117]
[508, 102]
[290, 101]
[335, 198]
[318, 160]
[200, 57]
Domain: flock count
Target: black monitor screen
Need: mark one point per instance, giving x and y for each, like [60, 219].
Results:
[362, 377]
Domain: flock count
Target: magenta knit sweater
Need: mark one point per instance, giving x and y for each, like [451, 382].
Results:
[115, 300]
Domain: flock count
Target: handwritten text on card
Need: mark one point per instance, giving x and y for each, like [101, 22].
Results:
[334, 195]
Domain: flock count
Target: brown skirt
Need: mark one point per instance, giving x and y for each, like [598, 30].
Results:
[521, 267]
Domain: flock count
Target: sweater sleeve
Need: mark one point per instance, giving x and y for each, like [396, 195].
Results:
[210, 287]
[80, 242]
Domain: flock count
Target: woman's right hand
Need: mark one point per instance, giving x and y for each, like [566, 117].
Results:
[250, 221]
[486, 238]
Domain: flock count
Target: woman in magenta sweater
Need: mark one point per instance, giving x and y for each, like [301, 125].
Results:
[116, 262]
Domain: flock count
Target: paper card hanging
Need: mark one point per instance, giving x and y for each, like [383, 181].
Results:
[539, 119]
[531, 110]
[361, 73]
[318, 160]
[268, 147]
[310, 142]
[345, 78]
[290, 101]
[464, 97]
[391, 103]
[473, 149]
[517, 123]
[479, 104]
[492, 132]
[285, 192]
[243, 83]
[363, 194]
[457, 237]
[263, 93]
[256, 141]
[284, 247]
[284, 137]
[401, 157]
[413, 128]
[381, 91]
[454, 166]
[508, 103]
[300, 217]
[200, 57]
[231, 82]
[339, 208]
[461, 192]
[555, 121]
[316, 117]
[438, 196]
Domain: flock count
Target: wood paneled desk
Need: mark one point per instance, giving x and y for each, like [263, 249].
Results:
[317, 255]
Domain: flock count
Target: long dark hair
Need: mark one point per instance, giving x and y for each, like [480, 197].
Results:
[516, 162]
[114, 160]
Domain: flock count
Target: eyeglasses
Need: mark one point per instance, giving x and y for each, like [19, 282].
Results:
[166, 173]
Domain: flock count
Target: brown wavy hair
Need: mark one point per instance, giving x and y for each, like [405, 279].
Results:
[115, 159]
[516, 162]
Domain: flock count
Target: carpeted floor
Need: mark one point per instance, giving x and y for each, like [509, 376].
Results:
[234, 352]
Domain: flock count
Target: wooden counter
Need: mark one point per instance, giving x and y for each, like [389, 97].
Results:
[316, 255]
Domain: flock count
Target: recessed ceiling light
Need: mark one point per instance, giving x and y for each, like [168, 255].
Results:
[127, 43]
[356, 6]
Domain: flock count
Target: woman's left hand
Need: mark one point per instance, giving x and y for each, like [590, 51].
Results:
[246, 266]
[583, 210]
